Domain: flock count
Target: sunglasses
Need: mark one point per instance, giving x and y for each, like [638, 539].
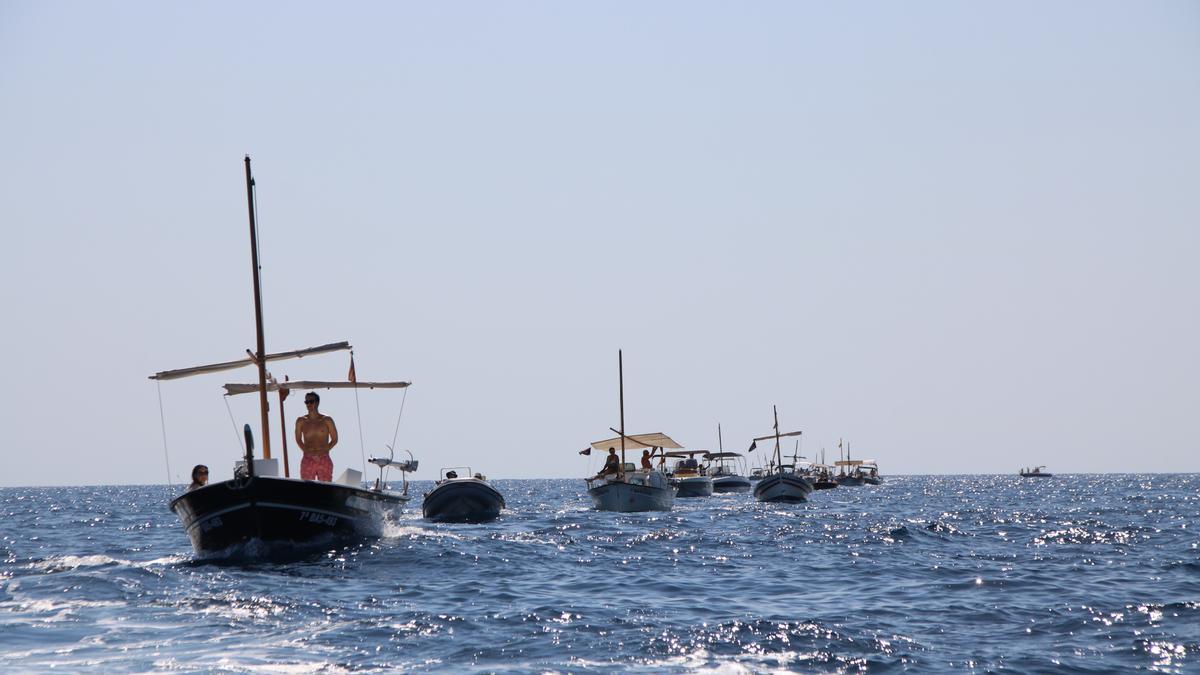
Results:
[309, 402]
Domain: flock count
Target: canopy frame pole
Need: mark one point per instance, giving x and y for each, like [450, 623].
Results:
[260, 356]
[283, 393]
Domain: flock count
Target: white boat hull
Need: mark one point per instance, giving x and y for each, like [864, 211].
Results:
[636, 493]
[783, 487]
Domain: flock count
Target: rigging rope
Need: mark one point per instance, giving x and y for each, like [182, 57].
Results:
[162, 418]
[236, 435]
[396, 433]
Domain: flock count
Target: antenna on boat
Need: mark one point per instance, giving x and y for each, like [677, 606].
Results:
[260, 355]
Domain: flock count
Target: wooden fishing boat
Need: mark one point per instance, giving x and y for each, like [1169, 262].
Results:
[258, 511]
[782, 483]
[631, 489]
[1036, 472]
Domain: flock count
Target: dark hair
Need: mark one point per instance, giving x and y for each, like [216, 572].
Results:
[196, 471]
[612, 449]
[313, 394]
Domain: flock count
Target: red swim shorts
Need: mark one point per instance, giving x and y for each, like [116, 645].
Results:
[316, 467]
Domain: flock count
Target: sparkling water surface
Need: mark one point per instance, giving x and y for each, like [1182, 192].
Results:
[1084, 573]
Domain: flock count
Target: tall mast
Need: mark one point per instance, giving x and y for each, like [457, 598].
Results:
[260, 356]
[720, 445]
[778, 457]
[621, 385]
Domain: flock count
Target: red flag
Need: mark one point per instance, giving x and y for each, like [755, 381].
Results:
[351, 376]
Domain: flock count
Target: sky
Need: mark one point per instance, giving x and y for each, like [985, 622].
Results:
[960, 236]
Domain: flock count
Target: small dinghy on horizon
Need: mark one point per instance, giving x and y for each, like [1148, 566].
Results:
[1036, 472]
[462, 498]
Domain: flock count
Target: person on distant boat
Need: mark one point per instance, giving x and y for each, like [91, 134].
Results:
[612, 464]
[199, 477]
[647, 465]
[316, 435]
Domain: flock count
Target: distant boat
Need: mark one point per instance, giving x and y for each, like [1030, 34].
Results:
[821, 476]
[1035, 472]
[870, 472]
[259, 505]
[728, 473]
[687, 477]
[462, 498]
[782, 483]
[631, 489]
[850, 473]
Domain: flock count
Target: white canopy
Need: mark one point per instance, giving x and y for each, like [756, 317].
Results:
[235, 389]
[638, 442]
[230, 365]
[848, 462]
[721, 455]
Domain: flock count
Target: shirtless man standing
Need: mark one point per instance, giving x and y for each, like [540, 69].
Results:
[316, 435]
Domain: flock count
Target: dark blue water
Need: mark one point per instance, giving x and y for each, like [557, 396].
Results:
[1076, 573]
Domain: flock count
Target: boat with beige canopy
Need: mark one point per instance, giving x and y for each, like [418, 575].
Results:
[627, 487]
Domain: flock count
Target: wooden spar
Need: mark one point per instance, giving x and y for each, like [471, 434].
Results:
[258, 319]
[778, 457]
[621, 390]
[720, 446]
[283, 393]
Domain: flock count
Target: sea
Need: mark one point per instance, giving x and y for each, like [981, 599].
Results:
[925, 574]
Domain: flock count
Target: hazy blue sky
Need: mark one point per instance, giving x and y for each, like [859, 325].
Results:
[962, 236]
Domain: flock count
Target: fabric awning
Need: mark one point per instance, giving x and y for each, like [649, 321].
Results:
[721, 455]
[638, 442]
[240, 363]
[848, 462]
[235, 389]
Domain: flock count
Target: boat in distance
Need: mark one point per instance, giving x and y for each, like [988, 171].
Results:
[632, 489]
[688, 477]
[1036, 472]
[620, 486]
[727, 478]
[462, 498]
[782, 483]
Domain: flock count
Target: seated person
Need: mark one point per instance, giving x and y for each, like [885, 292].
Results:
[612, 464]
[647, 465]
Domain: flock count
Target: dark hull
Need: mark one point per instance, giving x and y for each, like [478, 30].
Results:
[731, 484]
[685, 489]
[849, 481]
[869, 480]
[1037, 475]
[463, 501]
[223, 518]
[824, 484]
[787, 488]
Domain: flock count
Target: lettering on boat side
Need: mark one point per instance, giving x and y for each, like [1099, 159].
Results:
[318, 518]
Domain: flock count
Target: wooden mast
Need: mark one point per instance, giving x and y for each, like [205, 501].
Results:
[260, 355]
[621, 389]
[778, 457]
